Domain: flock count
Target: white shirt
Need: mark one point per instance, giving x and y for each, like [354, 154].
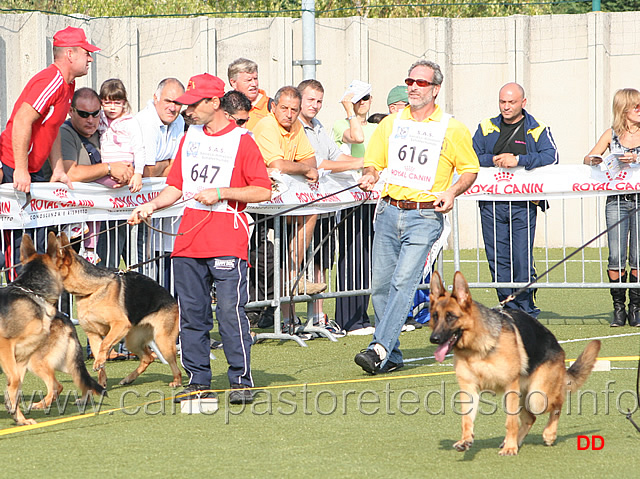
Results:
[160, 141]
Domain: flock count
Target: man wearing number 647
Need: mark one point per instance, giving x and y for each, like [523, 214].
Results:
[420, 147]
[218, 169]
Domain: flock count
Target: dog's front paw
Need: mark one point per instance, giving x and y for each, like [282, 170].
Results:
[463, 445]
[25, 422]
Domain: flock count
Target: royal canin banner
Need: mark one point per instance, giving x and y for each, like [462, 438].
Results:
[55, 203]
[551, 182]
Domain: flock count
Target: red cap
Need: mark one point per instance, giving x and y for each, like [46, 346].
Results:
[73, 37]
[201, 86]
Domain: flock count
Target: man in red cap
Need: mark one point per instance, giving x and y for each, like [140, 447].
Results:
[218, 169]
[31, 135]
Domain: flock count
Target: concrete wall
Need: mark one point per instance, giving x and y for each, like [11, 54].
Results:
[569, 65]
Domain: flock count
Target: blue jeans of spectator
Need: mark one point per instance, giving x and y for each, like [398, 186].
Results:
[401, 243]
[625, 235]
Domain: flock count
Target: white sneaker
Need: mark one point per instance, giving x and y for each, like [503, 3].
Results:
[362, 331]
[408, 327]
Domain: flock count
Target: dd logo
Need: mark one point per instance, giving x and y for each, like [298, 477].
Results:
[596, 443]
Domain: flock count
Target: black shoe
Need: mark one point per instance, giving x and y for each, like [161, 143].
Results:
[414, 323]
[194, 391]
[368, 360]
[634, 314]
[215, 344]
[266, 318]
[390, 366]
[240, 395]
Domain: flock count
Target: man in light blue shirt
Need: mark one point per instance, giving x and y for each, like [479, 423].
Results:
[162, 127]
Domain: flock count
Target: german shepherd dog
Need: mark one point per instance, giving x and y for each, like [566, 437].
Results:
[507, 351]
[33, 335]
[113, 305]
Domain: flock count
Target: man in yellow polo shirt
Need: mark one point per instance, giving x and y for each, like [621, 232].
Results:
[285, 147]
[420, 147]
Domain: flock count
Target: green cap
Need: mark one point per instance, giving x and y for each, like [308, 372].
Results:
[398, 93]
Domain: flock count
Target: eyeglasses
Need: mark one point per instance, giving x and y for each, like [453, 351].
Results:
[365, 98]
[420, 82]
[239, 121]
[636, 108]
[87, 114]
[112, 103]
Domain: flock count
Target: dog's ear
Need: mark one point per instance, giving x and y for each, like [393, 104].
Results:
[52, 245]
[436, 288]
[64, 241]
[27, 250]
[461, 291]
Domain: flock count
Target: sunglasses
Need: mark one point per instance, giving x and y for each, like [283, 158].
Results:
[420, 82]
[87, 114]
[239, 121]
[365, 98]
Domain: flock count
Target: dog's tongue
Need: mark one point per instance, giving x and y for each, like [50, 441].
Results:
[441, 352]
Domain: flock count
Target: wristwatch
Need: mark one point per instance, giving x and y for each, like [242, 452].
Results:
[518, 159]
[349, 118]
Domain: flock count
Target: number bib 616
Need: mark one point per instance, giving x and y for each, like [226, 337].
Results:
[414, 152]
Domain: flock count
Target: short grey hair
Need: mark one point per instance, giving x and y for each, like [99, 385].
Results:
[437, 73]
[289, 91]
[166, 82]
[241, 65]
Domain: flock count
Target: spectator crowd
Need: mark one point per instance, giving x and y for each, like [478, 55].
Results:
[235, 140]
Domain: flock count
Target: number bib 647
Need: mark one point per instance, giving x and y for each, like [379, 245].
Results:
[414, 152]
[207, 162]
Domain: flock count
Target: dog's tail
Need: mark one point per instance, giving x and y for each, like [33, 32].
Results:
[579, 371]
[77, 369]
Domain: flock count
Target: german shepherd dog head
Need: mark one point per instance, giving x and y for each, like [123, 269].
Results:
[39, 272]
[451, 319]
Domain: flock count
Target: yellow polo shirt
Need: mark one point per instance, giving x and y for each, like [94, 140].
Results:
[258, 111]
[276, 143]
[457, 154]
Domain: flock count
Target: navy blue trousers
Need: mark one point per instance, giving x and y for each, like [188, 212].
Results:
[508, 229]
[193, 278]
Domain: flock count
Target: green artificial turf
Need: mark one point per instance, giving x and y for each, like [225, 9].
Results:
[321, 416]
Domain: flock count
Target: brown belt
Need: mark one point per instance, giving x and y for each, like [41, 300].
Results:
[410, 205]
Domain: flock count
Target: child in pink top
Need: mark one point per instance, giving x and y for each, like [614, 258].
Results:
[120, 135]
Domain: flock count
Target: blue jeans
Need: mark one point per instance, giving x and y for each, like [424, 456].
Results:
[401, 243]
[625, 234]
